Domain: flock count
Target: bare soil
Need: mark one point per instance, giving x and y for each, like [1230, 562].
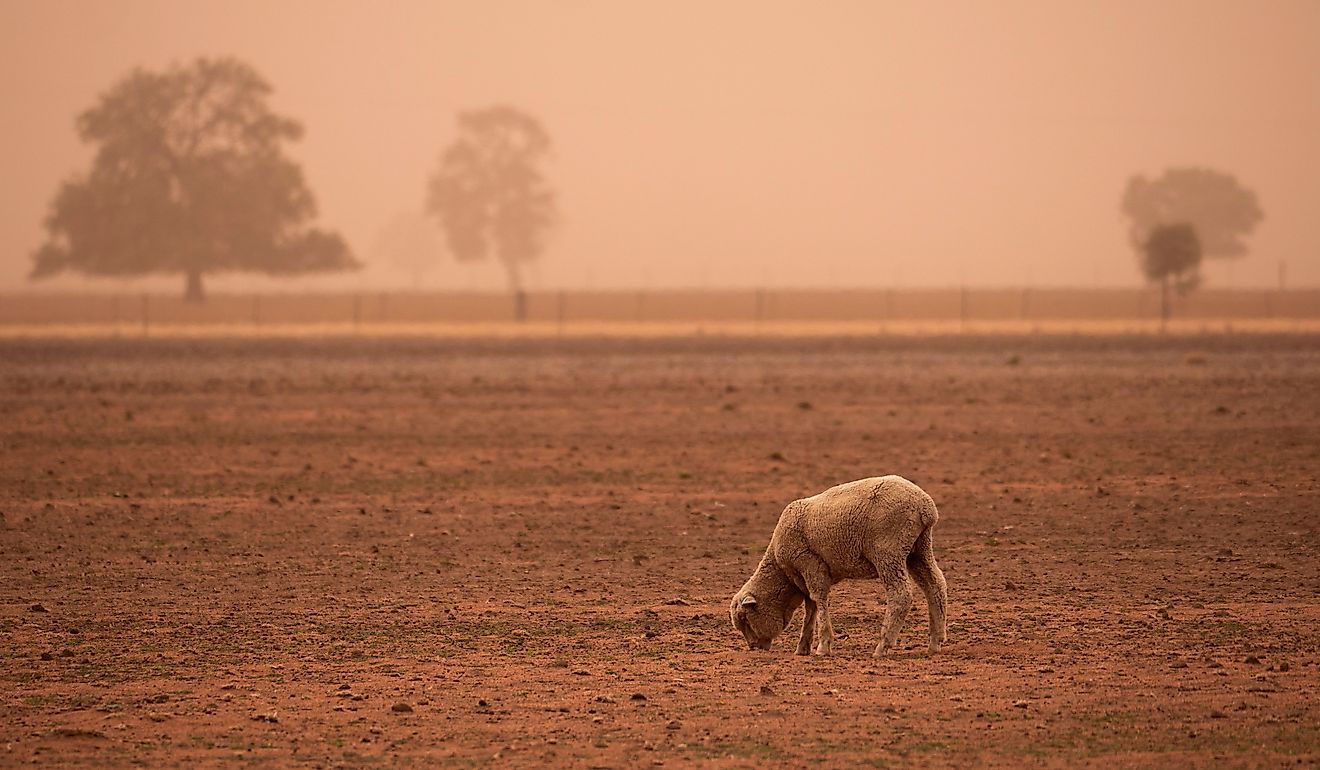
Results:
[380, 552]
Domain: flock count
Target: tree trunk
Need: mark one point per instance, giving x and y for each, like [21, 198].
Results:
[515, 286]
[1164, 303]
[192, 291]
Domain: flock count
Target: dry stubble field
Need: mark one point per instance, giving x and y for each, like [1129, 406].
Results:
[381, 552]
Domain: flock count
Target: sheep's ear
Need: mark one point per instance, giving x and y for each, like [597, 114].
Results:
[748, 601]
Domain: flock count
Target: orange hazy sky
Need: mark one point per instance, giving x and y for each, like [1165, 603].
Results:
[737, 143]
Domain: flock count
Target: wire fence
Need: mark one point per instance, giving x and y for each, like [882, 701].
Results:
[956, 307]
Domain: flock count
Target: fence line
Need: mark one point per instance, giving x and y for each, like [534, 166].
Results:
[963, 307]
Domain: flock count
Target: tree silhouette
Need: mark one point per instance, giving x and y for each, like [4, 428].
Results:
[1172, 253]
[490, 195]
[189, 177]
[1220, 210]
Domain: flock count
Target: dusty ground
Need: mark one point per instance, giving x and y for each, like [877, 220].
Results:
[252, 552]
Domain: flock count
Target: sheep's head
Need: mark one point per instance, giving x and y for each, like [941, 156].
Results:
[758, 620]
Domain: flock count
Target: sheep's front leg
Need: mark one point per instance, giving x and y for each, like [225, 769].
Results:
[808, 628]
[816, 581]
[818, 593]
[824, 628]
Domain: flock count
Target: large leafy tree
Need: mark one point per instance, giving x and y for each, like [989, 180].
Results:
[1220, 210]
[490, 195]
[1171, 256]
[189, 177]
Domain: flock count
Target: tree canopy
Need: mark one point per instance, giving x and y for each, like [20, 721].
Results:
[1219, 209]
[1173, 252]
[1171, 256]
[189, 177]
[489, 192]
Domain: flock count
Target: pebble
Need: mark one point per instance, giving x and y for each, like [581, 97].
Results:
[401, 708]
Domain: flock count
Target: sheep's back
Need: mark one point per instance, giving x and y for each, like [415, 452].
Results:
[843, 523]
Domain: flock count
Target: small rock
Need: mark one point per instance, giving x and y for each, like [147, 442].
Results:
[270, 716]
[766, 690]
[637, 696]
[673, 724]
[1217, 714]
[482, 703]
[1252, 659]
[47, 656]
[37, 608]
[1019, 704]
[401, 708]
[604, 699]
[680, 602]
[1284, 666]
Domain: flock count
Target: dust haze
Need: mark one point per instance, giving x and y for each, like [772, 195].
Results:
[732, 144]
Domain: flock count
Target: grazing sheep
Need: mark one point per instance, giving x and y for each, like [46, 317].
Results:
[871, 528]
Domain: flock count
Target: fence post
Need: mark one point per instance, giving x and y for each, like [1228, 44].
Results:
[146, 315]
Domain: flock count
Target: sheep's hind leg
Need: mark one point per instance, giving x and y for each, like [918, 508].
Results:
[921, 563]
[808, 628]
[898, 594]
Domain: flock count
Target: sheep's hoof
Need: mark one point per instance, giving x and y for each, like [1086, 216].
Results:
[934, 649]
[804, 651]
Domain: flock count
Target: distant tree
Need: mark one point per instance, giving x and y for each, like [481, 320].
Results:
[1172, 255]
[1220, 210]
[490, 195]
[189, 177]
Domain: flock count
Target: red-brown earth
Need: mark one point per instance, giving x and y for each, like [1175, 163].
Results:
[380, 552]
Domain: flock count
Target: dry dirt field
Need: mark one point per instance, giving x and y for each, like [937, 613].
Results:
[432, 553]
